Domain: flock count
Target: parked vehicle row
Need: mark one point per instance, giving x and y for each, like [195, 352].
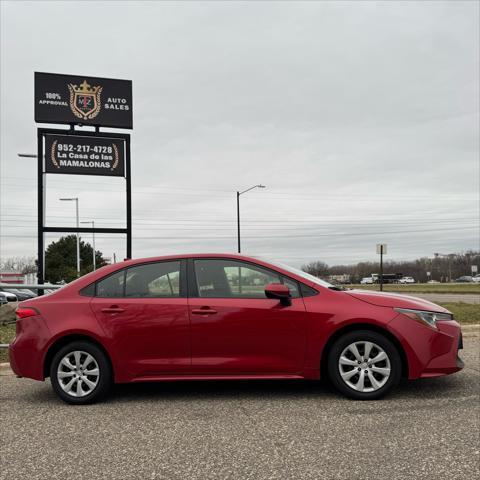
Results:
[387, 278]
[19, 294]
[468, 279]
[3, 299]
[394, 278]
[9, 296]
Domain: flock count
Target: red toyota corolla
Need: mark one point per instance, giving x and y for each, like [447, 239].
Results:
[215, 316]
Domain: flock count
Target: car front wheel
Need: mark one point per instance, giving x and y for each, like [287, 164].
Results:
[80, 373]
[364, 365]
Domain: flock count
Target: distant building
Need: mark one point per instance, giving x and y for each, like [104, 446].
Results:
[12, 277]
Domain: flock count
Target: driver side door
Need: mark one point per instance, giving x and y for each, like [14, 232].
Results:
[235, 328]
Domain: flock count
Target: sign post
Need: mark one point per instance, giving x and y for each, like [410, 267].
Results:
[474, 270]
[381, 250]
[75, 100]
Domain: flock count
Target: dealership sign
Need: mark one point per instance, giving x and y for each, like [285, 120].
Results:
[84, 155]
[103, 102]
[80, 101]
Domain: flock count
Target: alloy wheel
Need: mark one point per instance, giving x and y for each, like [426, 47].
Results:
[78, 373]
[364, 366]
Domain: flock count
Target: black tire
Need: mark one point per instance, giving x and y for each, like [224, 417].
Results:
[105, 373]
[359, 336]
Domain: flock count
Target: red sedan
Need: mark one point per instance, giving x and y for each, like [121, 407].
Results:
[214, 316]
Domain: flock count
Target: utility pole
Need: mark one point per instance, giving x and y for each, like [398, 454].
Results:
[381, 249]
[381, 269]
[92, 222]
[449, 257]
[238, 212]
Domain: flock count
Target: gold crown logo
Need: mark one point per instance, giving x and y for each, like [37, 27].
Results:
[85, 100]
[85, 87]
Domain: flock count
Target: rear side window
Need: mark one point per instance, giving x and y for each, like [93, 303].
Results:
[153, 280]
[112, 286]
[88, 291]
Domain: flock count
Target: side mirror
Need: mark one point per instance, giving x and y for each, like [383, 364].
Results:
[280, 292]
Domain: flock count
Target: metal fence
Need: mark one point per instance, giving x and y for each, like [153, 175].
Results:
[32, 286]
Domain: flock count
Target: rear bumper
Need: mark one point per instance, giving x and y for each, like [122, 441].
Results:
[26, 352]
[431, 352]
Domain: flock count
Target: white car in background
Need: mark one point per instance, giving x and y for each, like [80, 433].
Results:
[366, 280]
[476, 279]
[406, 280]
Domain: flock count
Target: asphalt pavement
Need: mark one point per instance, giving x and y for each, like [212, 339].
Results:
[245, 430]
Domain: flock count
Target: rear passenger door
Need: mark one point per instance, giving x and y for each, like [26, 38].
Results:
[143, 310]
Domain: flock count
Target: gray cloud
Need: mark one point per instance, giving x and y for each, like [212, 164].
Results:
[361, 118]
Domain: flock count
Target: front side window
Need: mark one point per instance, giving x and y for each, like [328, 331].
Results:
[293, 286]
[153, 280]
[223, 278]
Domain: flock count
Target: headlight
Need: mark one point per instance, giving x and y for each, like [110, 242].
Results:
[431, 318]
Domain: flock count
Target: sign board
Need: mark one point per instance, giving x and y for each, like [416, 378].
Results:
[381, 248]
[474, 268]
[84, 155]
[102, 102]
[428, 274]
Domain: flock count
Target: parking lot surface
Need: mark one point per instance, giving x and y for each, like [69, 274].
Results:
[245, 430]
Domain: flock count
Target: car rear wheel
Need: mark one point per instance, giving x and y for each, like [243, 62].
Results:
[80, 373]
[364, 365]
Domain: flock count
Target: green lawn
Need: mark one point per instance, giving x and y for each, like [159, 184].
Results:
[425, 288]
[463, 313]
[7, 332]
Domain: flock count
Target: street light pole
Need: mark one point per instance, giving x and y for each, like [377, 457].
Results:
[238, 212]
[75, 199]
[92, 222]
[238, 222]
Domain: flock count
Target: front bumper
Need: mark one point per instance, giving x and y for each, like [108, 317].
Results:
[448, 362]
[431, 352]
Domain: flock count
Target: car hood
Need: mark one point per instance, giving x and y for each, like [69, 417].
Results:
[395, 300]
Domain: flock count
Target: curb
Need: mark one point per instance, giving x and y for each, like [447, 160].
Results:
[5, 369]
[471, 330]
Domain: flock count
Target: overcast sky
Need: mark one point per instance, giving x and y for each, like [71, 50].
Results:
[361, 118]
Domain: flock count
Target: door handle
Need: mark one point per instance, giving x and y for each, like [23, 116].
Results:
[113, 309]
[204, 311]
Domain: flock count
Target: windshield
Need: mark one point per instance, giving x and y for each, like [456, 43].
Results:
[301, 273]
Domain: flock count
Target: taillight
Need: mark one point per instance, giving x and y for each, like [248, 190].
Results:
[24, 312]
